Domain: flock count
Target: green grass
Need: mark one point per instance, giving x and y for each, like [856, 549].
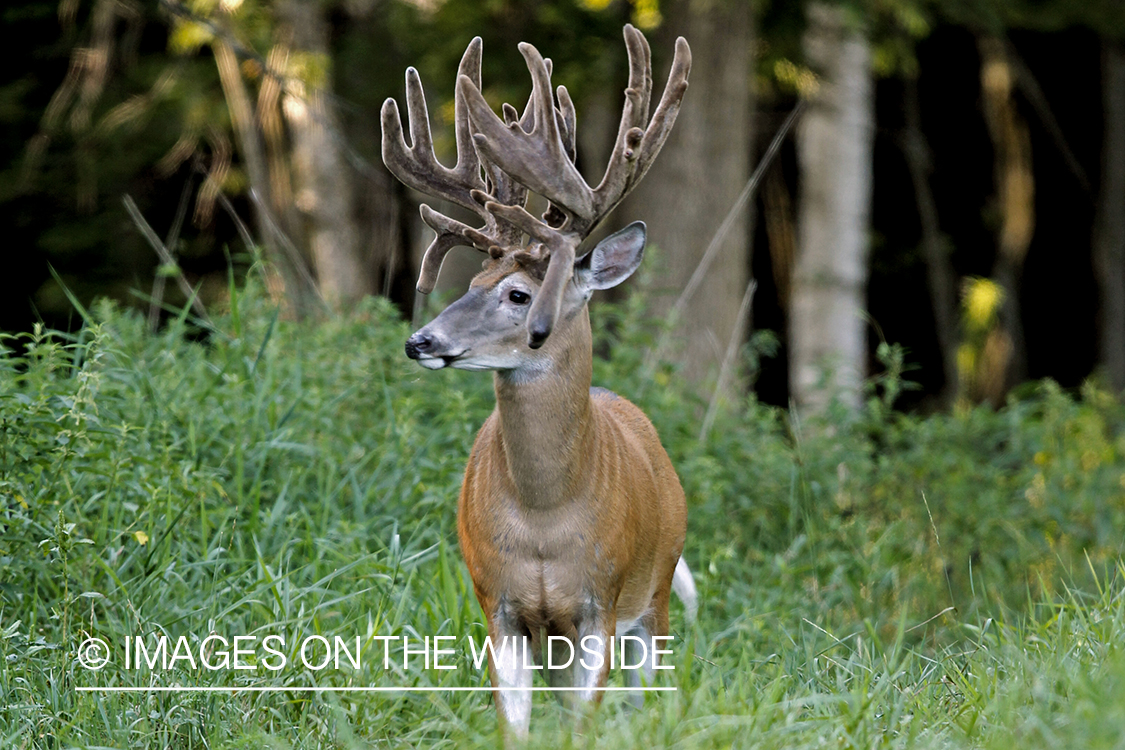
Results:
[866, 582]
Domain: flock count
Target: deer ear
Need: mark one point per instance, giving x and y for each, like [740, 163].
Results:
[613, 260]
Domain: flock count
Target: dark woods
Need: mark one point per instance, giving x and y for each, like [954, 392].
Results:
[991, 247]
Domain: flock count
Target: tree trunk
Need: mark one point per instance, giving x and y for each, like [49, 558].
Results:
[777, 210]
[1109, 232]
[828, 348]
[323, 179]
[1015, 185]
[249, 141]
[696, 179]
[382, 210]
[940, 275]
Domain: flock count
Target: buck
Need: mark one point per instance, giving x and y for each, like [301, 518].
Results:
[571, 517]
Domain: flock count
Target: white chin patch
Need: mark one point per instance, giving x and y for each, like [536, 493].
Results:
[472, 366]
[433, 363]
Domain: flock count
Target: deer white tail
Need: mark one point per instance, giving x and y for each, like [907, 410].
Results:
[684, 586]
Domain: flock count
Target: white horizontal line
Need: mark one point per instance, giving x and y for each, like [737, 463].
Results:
[360, 689]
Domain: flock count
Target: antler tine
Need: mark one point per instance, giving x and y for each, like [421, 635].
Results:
[502, 187]
[567, 122]
[418, 167]
[646, 67]
[555, 215]
[639, 140]
[450, 234]
[634, 117]
[468, 163]
[433, 258]
[665, 117]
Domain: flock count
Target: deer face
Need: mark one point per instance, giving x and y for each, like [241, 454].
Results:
[487, 328]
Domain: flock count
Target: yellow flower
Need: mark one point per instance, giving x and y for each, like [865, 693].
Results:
[982, 300]
[141, 537]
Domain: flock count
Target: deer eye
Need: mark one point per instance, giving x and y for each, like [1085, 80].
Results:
[519, 298]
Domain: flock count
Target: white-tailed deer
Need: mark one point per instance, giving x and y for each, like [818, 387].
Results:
[571, 517]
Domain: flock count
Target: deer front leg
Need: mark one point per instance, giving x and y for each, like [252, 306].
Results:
[653, 622]
[591, 667]
[638, 661]
[507, 670]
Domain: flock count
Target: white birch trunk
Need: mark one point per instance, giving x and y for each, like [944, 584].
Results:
[827, 339]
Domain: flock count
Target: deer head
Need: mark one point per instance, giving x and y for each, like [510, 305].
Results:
[534, 275]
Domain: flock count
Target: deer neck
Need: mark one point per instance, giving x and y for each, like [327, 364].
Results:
[545, 419]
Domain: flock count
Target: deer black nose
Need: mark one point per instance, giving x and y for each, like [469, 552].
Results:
[418, 344]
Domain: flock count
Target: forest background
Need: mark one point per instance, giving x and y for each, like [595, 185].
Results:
[977, 147]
